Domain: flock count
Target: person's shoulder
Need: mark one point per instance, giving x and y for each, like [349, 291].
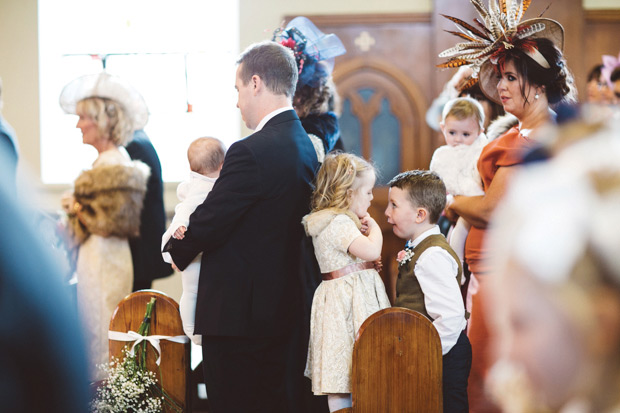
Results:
[506, 150]
[442, 150]
[141, 147]
[343, 218]
[437, 256]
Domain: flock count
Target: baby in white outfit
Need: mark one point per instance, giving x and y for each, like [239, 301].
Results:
[206, 156]
[457, 161]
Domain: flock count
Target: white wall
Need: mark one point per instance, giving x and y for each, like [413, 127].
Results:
[601, 4]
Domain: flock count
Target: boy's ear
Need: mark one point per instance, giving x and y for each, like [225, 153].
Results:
[421, 215]
[442, 126]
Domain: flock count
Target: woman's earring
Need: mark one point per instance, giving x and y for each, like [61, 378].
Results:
[536, 96]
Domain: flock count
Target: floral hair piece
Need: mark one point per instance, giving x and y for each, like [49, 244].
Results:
[498, 30]
[610, 63]
[314, 51]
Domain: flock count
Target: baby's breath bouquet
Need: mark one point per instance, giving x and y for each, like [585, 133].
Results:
[130, 386]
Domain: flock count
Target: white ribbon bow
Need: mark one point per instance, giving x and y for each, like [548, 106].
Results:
[138, 338]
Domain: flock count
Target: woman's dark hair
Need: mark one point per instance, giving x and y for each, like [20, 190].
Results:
[595, 73]
[310, 100]
[557, 80]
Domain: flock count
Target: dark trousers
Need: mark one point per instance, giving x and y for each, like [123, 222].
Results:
[456, 367]
[245, 374]
[142, 285]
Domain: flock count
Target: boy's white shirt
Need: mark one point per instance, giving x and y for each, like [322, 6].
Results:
[436, 272]
[191, 193]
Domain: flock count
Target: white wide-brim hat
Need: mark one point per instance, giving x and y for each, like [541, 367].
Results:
[104, 85]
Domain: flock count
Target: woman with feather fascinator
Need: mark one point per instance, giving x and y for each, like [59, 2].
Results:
[519, 64]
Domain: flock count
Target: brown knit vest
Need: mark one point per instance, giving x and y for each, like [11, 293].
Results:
[408, 291]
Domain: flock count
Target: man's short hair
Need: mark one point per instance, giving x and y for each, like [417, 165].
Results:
[425, 189]
[273, 63]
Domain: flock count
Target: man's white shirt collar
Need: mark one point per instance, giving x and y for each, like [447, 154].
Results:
[271, 115]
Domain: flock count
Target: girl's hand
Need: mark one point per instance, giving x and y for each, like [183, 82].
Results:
[179, 233]
[368, 223]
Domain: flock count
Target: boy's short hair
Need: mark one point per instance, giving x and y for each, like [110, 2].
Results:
[463, 108]
[425, 189]
[206, 155]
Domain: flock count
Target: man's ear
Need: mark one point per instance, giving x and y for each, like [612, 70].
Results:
[421, 215]
[257, 84]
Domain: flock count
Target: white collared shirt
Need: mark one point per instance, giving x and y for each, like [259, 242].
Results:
[271, 115]
[436, 272]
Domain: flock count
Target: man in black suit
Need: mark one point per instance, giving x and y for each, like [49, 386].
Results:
[249, 229]
[148, 263]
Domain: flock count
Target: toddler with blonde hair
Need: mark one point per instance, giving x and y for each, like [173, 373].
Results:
[347, 242]
[457, 162]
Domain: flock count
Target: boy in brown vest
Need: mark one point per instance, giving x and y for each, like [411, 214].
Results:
[429, 274]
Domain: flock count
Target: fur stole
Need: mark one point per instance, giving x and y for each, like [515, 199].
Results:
[108, 201]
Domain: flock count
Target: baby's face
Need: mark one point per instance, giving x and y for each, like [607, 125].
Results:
[460, 131]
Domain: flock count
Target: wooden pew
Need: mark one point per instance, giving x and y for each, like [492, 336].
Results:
[165, 321]
[397, 364]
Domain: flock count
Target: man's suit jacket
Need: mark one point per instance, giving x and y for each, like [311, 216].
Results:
[148, 263]
[249, 229]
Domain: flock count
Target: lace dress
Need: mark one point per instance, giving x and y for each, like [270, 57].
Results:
[339, 306]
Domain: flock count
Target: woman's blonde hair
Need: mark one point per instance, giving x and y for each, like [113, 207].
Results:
[110, 118]
[335, 178]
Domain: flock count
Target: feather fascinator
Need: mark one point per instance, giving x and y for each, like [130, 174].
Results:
[314, 50]
[498, 29]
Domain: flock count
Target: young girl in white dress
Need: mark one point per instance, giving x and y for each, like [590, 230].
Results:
[457, 161]
[347, 243]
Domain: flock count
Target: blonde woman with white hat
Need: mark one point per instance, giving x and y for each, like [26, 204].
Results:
[104, 208]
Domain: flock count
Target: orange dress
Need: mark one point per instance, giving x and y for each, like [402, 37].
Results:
[505, 151]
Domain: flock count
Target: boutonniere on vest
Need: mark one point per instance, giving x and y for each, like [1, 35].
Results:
[404, 256]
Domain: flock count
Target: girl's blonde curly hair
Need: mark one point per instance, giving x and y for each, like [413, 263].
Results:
[335, 178]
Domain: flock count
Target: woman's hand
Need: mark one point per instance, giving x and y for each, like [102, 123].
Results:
[450, 213]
